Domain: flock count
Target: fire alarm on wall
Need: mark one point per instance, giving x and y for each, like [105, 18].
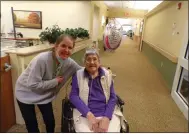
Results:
[179, 5]
[127, 14]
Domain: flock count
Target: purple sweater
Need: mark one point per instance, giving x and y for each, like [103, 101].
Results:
[96, 101]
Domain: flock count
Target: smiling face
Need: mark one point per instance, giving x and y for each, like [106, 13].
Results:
[64, 47]
[92, 63]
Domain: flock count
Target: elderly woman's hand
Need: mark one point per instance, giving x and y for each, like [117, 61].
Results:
[104, 124]
[93, 122]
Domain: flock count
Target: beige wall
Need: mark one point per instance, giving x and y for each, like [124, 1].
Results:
[103, 12]
[67, 14]
[159, 29]
[120, 13]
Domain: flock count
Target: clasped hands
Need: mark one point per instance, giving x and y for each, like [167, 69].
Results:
[98, 125]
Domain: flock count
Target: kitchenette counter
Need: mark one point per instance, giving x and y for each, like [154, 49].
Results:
[45, 47]
[29, 50]
[20, 38]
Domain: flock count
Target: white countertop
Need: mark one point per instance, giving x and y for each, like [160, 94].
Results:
[43, 47]
[29, 50]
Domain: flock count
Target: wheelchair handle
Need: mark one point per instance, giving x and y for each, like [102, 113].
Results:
[120, 101]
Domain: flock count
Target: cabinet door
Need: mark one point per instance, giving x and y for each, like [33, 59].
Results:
[7, 112]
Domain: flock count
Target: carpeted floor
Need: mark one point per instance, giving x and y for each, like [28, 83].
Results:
[149, 106]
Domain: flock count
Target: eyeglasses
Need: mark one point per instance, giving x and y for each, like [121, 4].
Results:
[91, 60]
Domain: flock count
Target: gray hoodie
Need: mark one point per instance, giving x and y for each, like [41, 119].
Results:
[37, 85]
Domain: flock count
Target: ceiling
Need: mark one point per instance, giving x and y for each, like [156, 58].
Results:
[143, 5]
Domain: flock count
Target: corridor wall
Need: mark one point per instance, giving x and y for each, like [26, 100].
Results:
[163, 37]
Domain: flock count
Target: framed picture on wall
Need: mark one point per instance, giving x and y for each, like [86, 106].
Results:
[27, 19]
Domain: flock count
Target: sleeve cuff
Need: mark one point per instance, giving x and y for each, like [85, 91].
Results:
[108, 115]
[55, 81]
[85, 112]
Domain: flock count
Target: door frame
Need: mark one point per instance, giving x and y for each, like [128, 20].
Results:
[142, 36]
[96, 30]
[182, 64]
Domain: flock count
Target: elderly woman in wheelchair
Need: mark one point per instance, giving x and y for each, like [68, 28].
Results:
[94, 98]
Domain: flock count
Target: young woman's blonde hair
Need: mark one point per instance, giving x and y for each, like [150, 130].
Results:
[61, 38]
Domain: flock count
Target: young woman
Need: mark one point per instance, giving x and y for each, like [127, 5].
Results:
[41, 81]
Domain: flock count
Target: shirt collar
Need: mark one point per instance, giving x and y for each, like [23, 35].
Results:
[100, 72]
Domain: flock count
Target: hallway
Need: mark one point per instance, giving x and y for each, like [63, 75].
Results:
[149, 106]
[150, 82]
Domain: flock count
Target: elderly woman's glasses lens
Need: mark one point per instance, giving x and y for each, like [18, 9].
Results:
[91, 60]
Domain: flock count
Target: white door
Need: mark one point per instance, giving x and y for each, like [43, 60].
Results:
[180, 92]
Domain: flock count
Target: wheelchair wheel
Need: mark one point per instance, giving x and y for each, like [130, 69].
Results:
[127, 128]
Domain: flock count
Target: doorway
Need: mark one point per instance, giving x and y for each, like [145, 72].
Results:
[96, 23]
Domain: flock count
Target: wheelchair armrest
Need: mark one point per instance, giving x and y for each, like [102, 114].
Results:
[120, 101]
[71, 105]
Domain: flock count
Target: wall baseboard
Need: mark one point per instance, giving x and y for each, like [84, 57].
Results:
[171, 57]
[165, 66]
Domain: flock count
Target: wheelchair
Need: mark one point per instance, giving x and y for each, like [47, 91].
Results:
[67, 122]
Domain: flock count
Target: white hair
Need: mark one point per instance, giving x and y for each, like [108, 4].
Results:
[90, 51]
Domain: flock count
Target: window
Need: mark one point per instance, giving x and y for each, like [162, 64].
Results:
[182, 89]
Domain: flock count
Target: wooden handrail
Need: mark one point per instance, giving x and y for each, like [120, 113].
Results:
[171, 57]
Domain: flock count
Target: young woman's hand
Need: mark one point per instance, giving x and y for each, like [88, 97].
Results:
[59, 79]
[93, 122]
[104, 124]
